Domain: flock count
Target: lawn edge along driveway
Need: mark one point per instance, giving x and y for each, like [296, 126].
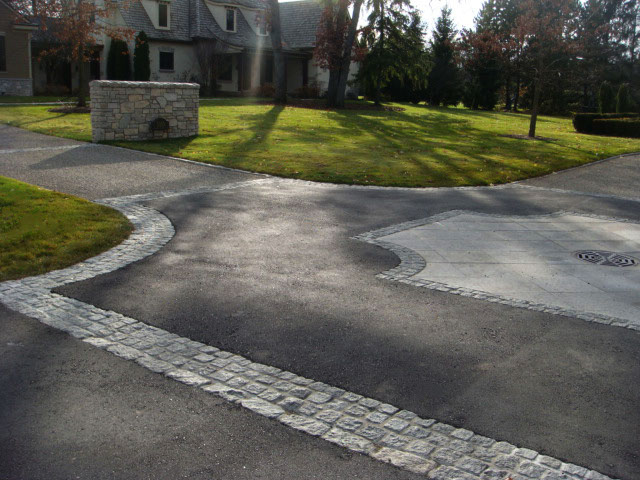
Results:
[42, 230]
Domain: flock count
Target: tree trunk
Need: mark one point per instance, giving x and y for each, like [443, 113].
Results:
[507, 93]
[337, 64]
[346, 54]
[332, 88]
[381, 46]
[536, 100]
[278, 57]
[81, 79]
[516, 95]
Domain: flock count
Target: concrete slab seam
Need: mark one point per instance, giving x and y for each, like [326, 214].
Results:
[360, 424]
[44, 149]
[411, 263]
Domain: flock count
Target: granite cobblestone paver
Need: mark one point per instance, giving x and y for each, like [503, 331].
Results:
[347, 419]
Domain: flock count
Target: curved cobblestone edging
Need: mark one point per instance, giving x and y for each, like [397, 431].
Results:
[412, 263]
[360, 424]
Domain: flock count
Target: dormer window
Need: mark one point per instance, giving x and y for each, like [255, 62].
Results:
[262, 28]
[231, 20]
[163, 15]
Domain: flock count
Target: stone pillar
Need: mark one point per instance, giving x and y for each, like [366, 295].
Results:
[143, 110]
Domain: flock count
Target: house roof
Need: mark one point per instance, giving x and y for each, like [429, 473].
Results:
[191, 19]
[19, 20]
[300, 22]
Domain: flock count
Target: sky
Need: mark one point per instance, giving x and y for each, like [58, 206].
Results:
[462, 11]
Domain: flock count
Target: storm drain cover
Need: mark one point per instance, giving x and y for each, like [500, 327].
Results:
[607, 259]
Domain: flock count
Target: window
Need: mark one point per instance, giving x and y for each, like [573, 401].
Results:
[163, 15]
[262, 28]
[231, 20]
[3, 55]
[225, 72]
[166, 61]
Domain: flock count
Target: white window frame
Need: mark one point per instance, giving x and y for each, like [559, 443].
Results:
[168, 4]
[235, 19]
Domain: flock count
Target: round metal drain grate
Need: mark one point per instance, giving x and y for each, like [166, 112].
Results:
[607, 259]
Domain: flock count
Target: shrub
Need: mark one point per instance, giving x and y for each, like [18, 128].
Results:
[141, 68]
[118, 63]
[617, 127]
[583, 122]
[308, 91]
[266, 90]
[606, 98]
[624, 103]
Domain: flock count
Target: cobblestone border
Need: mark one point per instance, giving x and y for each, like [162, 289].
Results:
[360, 424]
[411, 263]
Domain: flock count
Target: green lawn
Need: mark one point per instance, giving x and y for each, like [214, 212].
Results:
[41, 230]
[420, 146]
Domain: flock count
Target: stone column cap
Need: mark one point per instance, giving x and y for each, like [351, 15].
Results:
[130, 84]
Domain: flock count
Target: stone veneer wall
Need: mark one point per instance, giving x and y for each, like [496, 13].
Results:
[125, 110]
[16, 86]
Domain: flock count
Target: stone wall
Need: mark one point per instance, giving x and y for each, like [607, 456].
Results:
[16, 86]
[126, 110]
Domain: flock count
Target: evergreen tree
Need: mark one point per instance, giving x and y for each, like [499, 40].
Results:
[498, 18]
[606, 98]
[118, 61]
[444, 80]
[396, 62]
[483, 65]
[624, 104]
[141, 68]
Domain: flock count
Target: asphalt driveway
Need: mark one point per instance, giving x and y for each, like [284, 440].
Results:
[271, 272]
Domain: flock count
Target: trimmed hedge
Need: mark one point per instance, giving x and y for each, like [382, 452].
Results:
[583, 122]
[617, 127]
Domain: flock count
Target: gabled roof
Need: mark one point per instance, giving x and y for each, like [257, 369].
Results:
[20, 20]
[300, 22]
[192, 19]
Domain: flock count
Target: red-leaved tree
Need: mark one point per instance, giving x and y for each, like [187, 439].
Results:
[334, 49]
[548, 30]
[73, 29]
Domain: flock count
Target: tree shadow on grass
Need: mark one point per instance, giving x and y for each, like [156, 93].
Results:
[434, 147]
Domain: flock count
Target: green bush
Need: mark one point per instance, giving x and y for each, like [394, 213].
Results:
[606, 98]
[118, 63]
[617, 127]
[141, 68]
[583, 122]
[624, 103]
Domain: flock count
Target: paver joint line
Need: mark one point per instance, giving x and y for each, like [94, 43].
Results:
[360, 424]
[412, 263]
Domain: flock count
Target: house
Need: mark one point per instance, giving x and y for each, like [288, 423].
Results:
[15, 52]
[175, 28]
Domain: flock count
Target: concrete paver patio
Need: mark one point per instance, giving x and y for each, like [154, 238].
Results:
[533, 259]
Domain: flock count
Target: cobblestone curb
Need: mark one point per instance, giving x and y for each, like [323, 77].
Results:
[360, 424]
[411, 263]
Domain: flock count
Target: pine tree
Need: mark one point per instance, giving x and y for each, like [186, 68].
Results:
[444, 80]
[483, 67]
[141, 68]
[396, 56]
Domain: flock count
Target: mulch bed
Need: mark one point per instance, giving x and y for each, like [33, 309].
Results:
[321, 105]
[73, 109]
